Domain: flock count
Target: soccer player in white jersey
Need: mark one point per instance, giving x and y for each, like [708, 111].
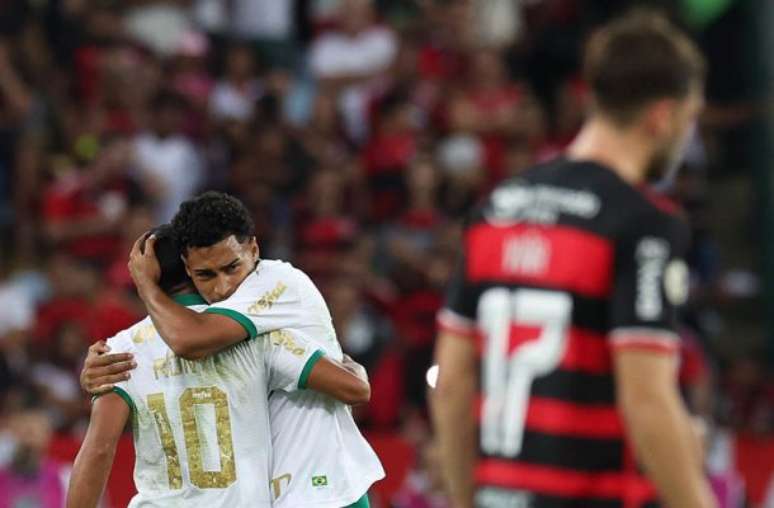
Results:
[332, 466]
[201, 428]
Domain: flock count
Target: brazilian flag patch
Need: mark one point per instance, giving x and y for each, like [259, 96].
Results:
[320, 481]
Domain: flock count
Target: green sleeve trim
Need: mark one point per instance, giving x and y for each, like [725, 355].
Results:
[238, 317]
[189, 299]
[121, 393]
[310, 363]
[361, 503]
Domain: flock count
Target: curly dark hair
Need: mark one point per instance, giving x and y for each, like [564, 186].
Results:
[209, 218]
[173, 274]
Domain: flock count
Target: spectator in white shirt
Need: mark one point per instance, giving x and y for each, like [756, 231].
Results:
[233, 98]
[350, 57]
[359, 49]
[168, 165]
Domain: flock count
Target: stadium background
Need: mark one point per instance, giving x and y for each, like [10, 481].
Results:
[359, 136]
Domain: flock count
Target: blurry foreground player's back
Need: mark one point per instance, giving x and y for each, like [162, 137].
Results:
[561, 313]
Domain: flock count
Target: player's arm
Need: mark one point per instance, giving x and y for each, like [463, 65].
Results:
[345, 382]
[659, 426]
[92, 466]
[188, 334]
[452, 412]
[451, 403]
[295, 364]
[650, 280]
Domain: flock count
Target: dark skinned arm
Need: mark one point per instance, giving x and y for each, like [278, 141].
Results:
[95, 459]
[341, 381]
[188, 334]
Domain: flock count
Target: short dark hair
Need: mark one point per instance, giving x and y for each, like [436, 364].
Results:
[210, 218]
[173, 274]
[638, 58]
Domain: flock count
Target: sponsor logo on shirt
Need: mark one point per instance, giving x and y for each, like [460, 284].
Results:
[677, 282]
[540, 203]
[171, 365]
[281, 338]
[526, 254]
[651, 255]
[143, 333]
[267, 300]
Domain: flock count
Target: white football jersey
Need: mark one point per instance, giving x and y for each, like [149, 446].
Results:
[320, 457]
[201, 428]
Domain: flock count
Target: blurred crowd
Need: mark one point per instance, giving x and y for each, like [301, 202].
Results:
[359, 133]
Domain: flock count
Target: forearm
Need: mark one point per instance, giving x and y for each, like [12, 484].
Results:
[189, 334]
[340, 382]
[89, 476]
[456, 434]
[666, 446]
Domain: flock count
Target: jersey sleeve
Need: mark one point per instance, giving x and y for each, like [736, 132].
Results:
[651, 281]
[262, 306]
[289, 360]
[458, 315]
[122, 343]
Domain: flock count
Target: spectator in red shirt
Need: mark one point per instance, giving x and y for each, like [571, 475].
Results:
[387, 156]
[324, 231]
[81, 296]
[139, 219]
[83, 207]
[492, 106]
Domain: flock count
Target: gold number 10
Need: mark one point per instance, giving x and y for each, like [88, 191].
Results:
[199, 477]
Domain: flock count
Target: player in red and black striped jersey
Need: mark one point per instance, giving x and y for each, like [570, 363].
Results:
[561, 314]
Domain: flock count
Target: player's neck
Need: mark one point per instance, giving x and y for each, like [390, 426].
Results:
[619, 149]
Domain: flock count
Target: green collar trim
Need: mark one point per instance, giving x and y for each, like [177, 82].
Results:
[189, 299]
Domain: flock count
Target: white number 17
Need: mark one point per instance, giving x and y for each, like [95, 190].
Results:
[508, 377]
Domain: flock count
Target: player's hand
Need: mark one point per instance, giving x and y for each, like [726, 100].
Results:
[101, 370]
[143, 265]
[354, 367]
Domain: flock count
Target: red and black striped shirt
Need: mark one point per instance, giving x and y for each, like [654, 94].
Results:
[560, 266]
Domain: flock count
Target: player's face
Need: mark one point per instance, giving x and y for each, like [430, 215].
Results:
[676, 134]
[218, 270]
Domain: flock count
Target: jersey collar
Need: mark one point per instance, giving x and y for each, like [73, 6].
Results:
[189, 299]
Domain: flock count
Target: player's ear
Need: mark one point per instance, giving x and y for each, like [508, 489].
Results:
[660, 116]
[255, 252]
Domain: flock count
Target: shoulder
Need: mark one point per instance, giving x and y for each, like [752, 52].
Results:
[267, 283]
[129, 339]
[648, 212]
[547, 192]
[271, 272]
